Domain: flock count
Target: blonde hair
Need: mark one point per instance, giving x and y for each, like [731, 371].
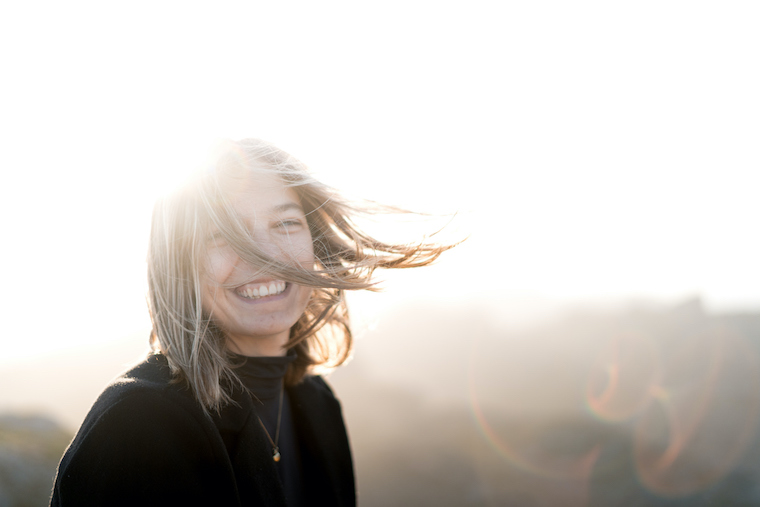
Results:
[345, 259]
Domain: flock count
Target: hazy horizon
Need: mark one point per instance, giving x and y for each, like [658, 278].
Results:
[64, 383]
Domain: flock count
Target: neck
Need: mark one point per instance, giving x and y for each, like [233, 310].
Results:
[259, 346]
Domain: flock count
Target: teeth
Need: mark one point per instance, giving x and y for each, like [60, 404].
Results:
[272, 289]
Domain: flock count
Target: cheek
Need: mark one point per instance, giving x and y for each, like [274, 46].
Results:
[304, 296]
[305, 255]
[306, 260]
[219, 264]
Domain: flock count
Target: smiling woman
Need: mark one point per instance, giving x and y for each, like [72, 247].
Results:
[247, 267]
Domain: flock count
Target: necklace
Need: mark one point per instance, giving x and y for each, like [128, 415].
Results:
[275, 442]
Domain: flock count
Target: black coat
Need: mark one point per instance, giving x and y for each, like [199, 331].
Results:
[147, 442]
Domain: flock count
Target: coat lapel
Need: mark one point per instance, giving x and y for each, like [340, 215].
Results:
[328, 469]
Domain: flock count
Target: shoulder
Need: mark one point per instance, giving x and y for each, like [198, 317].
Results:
[314, 386]
[149, 384]
[145, 399]
[142, 429]
[318, 383]
[314, 395]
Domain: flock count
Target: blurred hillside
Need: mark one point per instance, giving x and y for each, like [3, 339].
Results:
[30, 447]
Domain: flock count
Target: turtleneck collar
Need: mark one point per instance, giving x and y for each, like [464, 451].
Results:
[263, 375]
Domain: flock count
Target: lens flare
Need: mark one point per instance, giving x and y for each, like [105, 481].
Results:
[687, 403]
[551, 451]
[622, 377]
[704, 416]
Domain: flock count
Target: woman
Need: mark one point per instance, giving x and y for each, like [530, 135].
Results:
[247, 266]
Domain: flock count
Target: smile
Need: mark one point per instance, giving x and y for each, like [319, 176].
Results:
[261, 290]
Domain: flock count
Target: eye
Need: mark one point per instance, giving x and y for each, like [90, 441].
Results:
[290, 223]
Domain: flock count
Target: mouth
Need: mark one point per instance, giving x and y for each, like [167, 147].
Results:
[262, 289]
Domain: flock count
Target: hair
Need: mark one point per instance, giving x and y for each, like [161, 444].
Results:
[345, 259]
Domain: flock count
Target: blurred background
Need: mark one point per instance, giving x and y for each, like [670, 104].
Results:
[595, 341]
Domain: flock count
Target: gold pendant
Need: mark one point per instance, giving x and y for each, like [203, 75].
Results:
[276, 455]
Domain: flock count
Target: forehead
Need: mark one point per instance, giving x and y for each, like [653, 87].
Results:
[262, 193]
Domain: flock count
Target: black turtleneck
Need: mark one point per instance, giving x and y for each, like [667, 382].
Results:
[263, 377]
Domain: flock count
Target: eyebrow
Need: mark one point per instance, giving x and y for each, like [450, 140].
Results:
[281, 208]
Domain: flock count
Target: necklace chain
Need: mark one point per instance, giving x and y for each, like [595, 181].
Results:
[276, 441]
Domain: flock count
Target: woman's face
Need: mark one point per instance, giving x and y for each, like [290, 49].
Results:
[256, 316]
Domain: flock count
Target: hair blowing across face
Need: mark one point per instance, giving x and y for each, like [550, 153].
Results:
[345, 259]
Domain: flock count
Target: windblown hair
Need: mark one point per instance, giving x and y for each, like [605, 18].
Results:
[345, 259]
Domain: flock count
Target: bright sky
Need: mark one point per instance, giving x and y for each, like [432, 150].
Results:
[593, 149]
